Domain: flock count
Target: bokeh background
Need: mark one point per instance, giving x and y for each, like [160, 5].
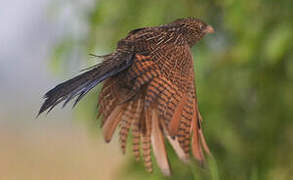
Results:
[244, 83]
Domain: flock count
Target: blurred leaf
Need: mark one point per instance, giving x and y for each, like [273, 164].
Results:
[278, 44]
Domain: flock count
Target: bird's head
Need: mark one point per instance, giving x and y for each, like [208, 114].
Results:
[193, 29]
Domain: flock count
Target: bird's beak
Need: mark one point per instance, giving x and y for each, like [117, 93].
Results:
[209, 29]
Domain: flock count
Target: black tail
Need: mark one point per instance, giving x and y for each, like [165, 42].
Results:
[83, 83]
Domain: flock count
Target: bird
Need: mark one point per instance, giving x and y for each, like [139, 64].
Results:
[148, 91]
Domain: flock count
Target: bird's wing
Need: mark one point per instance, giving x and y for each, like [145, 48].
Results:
[157, 106]
[127, 109]
[140, 73]
[173, 93]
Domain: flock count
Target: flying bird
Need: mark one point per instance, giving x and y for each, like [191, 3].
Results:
[148, 90]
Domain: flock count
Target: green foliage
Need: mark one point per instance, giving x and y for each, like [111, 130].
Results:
[244, 80]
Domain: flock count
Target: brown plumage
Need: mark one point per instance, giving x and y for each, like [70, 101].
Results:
[148, 90]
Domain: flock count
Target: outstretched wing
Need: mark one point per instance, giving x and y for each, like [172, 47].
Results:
[158, 106]
[126, 107]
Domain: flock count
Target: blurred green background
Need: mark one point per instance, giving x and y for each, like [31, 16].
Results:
[244, 77]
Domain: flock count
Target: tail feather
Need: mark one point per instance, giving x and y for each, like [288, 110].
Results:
[70, 89]
[83, 83]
